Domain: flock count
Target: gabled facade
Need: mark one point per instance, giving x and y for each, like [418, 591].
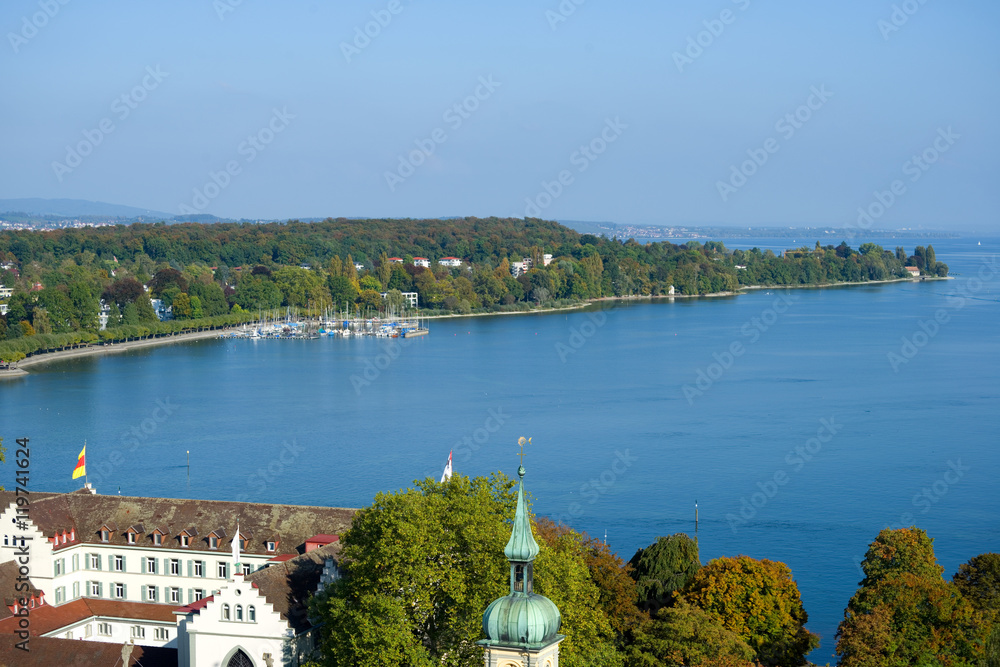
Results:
[116, 568]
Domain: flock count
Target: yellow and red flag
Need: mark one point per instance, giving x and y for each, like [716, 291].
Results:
[81, 464]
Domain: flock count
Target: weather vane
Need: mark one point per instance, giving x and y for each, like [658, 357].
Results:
[521, 441]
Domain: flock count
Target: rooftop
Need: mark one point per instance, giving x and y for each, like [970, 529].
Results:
[86, 513]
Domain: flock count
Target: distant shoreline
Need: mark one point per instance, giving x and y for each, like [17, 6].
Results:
[113, 348]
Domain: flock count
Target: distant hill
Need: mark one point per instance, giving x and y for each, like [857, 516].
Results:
[73, 208]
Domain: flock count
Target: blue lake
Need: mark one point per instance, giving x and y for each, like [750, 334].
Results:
[619, 445]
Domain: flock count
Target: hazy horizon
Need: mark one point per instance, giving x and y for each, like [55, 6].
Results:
[731, 113]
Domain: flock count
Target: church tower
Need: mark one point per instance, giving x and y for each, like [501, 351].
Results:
[522, 627]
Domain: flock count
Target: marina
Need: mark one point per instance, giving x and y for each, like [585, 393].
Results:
[288, 327]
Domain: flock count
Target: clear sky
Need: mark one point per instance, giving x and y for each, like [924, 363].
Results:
[312, 117]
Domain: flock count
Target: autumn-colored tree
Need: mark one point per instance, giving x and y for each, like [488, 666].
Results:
[609, 573]
[898, 551]
[562, 575]
[760, 602]
[910, 620]
[686, 635]
[903, 612]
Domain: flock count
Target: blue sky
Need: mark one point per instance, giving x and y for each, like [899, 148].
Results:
[312, 120]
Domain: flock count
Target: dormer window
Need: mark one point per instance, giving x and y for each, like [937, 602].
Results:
[130, 537]
[157, 539]
[105, 535]
[184, 540]
[213, 542]
[272, 545]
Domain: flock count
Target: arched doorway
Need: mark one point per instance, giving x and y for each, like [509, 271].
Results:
[240, 659]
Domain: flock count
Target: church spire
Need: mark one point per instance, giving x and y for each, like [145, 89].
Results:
[521, 547]
[521, 621]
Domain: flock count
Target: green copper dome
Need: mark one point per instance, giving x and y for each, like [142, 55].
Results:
[521, 546]
[521, 618]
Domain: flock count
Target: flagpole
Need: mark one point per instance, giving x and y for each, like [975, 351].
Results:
[86, 479]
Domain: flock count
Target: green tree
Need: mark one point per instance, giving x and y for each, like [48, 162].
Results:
[196, 309]
[342, 290]
[213, 300]
[663, 568]
[370, 282]
[369, 299]
[256, 293]
[760, 602]
[421, 566]
[979, 582]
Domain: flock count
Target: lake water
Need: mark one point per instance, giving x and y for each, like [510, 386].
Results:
[618, 444]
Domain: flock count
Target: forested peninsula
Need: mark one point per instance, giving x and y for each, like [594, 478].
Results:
[69, 287]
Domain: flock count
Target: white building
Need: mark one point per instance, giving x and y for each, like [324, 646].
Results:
[395, 260]
[359, 266]
[546, 259]
[518, 268]
[6, 292]
[103, 314]
[422, 261]
[453, 262]
[410, 297]
[116, 568]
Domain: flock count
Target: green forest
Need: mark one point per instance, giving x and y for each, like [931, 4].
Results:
[214, 275]
[420, 602]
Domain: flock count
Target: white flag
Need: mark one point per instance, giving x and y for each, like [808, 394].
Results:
[236, 548]
[447, 470]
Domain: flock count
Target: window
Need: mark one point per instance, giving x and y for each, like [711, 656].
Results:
[184, 540]
[161, 634]
[119, 591]
[60, 595]
[6, 543]
[175, 566]
[199, 593]
[251, 614]
[60, 564]
[150, 565]
[88, 630]
[239, 612]
[138, 632]
[157, 539]
[95, 561]
[104, 629]
[151, 593]
[130, 537]
[119, 564]
[94, 588]
[223, 570]
[213, 542]
[199, 568]
[174, 595]
[225, 612]
[243, 544]
[270, 546]
[105, 536]
[76, 562]
[246, 569]
[76, 589]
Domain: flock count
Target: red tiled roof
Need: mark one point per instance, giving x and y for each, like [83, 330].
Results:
[323, 538]
[49, 618]
[48, 651]
[197, 605]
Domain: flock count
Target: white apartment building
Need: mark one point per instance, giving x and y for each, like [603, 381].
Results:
[130, 569]
[422, 261]
[452, 262]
